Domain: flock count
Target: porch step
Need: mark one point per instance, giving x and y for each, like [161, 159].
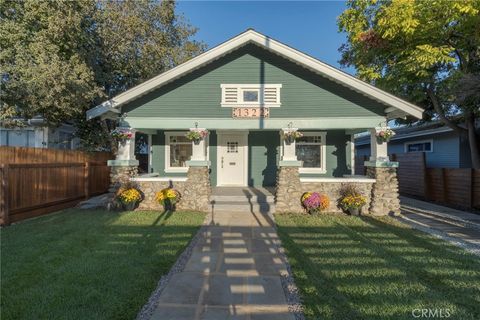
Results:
[242, 199]
[236, 206]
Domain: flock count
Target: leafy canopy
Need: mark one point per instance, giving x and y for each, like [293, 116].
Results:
[426, 51]
[60, 58]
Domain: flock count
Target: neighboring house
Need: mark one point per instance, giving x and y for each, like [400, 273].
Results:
[443, 147]
[34, 134]
[247, 92]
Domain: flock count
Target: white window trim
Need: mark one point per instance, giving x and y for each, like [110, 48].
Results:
[169, 169]
[406, 144]
[323, 153]
[242, 87]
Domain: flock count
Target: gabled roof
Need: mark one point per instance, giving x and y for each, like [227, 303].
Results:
[396, 106]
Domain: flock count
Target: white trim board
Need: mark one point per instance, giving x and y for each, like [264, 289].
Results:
[252, 36]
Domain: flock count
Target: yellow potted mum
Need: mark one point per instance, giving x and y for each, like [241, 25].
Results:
[129, 197]
[168, 197]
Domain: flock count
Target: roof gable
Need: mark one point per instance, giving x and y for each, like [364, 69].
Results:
[397, 107]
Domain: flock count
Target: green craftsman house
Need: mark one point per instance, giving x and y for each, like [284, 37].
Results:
[252, 93]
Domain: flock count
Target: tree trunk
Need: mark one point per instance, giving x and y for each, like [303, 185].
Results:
[473, 141]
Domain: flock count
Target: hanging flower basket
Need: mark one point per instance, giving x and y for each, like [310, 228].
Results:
[121, 134]
[384, 134]
[291, 135]
[196, 135]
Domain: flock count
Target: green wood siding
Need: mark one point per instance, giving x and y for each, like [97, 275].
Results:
[263, 151]
[263, 156]
[304, 94]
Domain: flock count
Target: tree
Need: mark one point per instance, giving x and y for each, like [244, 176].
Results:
[61, 58]
[45, 60]
[425, 51]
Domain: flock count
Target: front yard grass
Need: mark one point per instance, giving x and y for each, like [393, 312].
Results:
[377, 268]
[89, 264]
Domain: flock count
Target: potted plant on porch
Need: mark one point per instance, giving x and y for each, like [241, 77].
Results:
[351, 200]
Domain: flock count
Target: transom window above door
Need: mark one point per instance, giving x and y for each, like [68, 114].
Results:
[247, 95]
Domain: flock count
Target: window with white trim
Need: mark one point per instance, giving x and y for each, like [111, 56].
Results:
[178, 150]
[311, 150]
[419, 146]
[238, 95]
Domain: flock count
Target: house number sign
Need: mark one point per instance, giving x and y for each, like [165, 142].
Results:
[250, 113]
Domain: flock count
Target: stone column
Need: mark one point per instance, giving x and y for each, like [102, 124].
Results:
[288, 191]
[196, 195]
[384, 199]
[125, 165]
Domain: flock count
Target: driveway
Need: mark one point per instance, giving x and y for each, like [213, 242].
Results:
[459, 227]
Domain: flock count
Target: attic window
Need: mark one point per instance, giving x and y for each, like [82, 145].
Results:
[250, 95]
[247, 95]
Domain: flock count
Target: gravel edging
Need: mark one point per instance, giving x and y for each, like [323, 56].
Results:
[290, 289]
[147, 310]
[441, 235]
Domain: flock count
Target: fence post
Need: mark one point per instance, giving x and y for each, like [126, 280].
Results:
[4, 201]
[86, 177]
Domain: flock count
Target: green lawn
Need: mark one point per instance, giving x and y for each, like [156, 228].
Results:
[368, 268]
[89, 264]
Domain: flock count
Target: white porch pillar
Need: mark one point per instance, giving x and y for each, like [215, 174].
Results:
[352, 154]
[379, 151]
[126, 151]
[199, 152]
[289, 157]
[126, 148]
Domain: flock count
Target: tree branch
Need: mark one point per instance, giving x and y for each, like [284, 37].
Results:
[441, 114]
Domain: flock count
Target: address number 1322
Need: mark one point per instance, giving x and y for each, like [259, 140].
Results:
[250, 112]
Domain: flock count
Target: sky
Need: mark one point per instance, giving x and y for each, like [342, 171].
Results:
[308, 26]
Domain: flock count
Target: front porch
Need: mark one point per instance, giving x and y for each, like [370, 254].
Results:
[258, 170]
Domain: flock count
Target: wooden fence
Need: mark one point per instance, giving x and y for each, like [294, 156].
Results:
[38, 181]
[455, 187]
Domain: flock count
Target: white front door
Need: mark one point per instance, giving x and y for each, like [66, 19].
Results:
[231, 159]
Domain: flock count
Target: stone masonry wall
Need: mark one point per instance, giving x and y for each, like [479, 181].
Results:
[332, 191]
[288, 193]
[120, 175]
[149, 188]
[385, 199]
[195, 191]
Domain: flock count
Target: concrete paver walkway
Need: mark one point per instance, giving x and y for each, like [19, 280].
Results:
[234, 272]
